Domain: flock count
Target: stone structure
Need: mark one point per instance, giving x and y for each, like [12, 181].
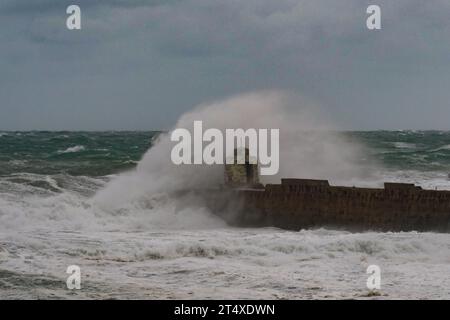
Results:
[242, 174]
[299, 203]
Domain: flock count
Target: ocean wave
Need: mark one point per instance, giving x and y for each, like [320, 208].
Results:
[231, 263]
[131, 162]
[445, 147]
[404, 145]
[75, 149]
[61, 201]
[269, 244]
[24, 189]
[17, 163]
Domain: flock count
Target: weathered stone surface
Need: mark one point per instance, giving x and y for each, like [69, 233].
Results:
[296, 204]
[245, 174]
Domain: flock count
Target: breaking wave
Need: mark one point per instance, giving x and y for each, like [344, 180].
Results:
[73, 149]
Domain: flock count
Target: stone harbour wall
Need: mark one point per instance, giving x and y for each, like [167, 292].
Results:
[299, 203]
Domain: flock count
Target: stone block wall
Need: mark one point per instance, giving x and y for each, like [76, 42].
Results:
[297, 204]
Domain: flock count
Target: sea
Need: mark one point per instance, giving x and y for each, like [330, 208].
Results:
[101, 201]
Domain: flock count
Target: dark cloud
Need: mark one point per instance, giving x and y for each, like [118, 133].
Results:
[139, 64]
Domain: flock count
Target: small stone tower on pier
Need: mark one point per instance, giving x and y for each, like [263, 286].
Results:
[242, 174]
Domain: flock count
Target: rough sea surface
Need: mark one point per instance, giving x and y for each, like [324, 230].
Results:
[53, 190]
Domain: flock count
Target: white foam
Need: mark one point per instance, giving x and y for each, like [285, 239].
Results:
[405, 145]
[73, 149]
[233, 263]
[445, 147]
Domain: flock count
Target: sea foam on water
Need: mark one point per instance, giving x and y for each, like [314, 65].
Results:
[135, 236]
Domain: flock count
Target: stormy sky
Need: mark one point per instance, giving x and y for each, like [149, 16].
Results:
[138, 65]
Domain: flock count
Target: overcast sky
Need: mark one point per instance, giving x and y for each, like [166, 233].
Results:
[140, 64]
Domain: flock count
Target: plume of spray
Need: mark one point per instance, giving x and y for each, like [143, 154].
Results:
[310, 147]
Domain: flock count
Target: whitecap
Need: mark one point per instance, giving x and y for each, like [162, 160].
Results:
[73, 149]
[404, 145]
[446, 147]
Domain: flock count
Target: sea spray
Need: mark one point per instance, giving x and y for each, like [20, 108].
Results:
[154, 194]
[310, 147]
[155, 247]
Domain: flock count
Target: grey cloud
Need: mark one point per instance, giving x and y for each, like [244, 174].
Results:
[143, 63]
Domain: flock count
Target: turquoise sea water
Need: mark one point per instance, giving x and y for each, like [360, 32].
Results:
[408, 150]
[73, 153]
[104, 153]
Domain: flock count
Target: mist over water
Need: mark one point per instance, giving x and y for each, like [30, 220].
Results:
[110, 203]
[310, 147]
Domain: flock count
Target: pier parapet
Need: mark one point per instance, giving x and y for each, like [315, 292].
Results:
[305, 203]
